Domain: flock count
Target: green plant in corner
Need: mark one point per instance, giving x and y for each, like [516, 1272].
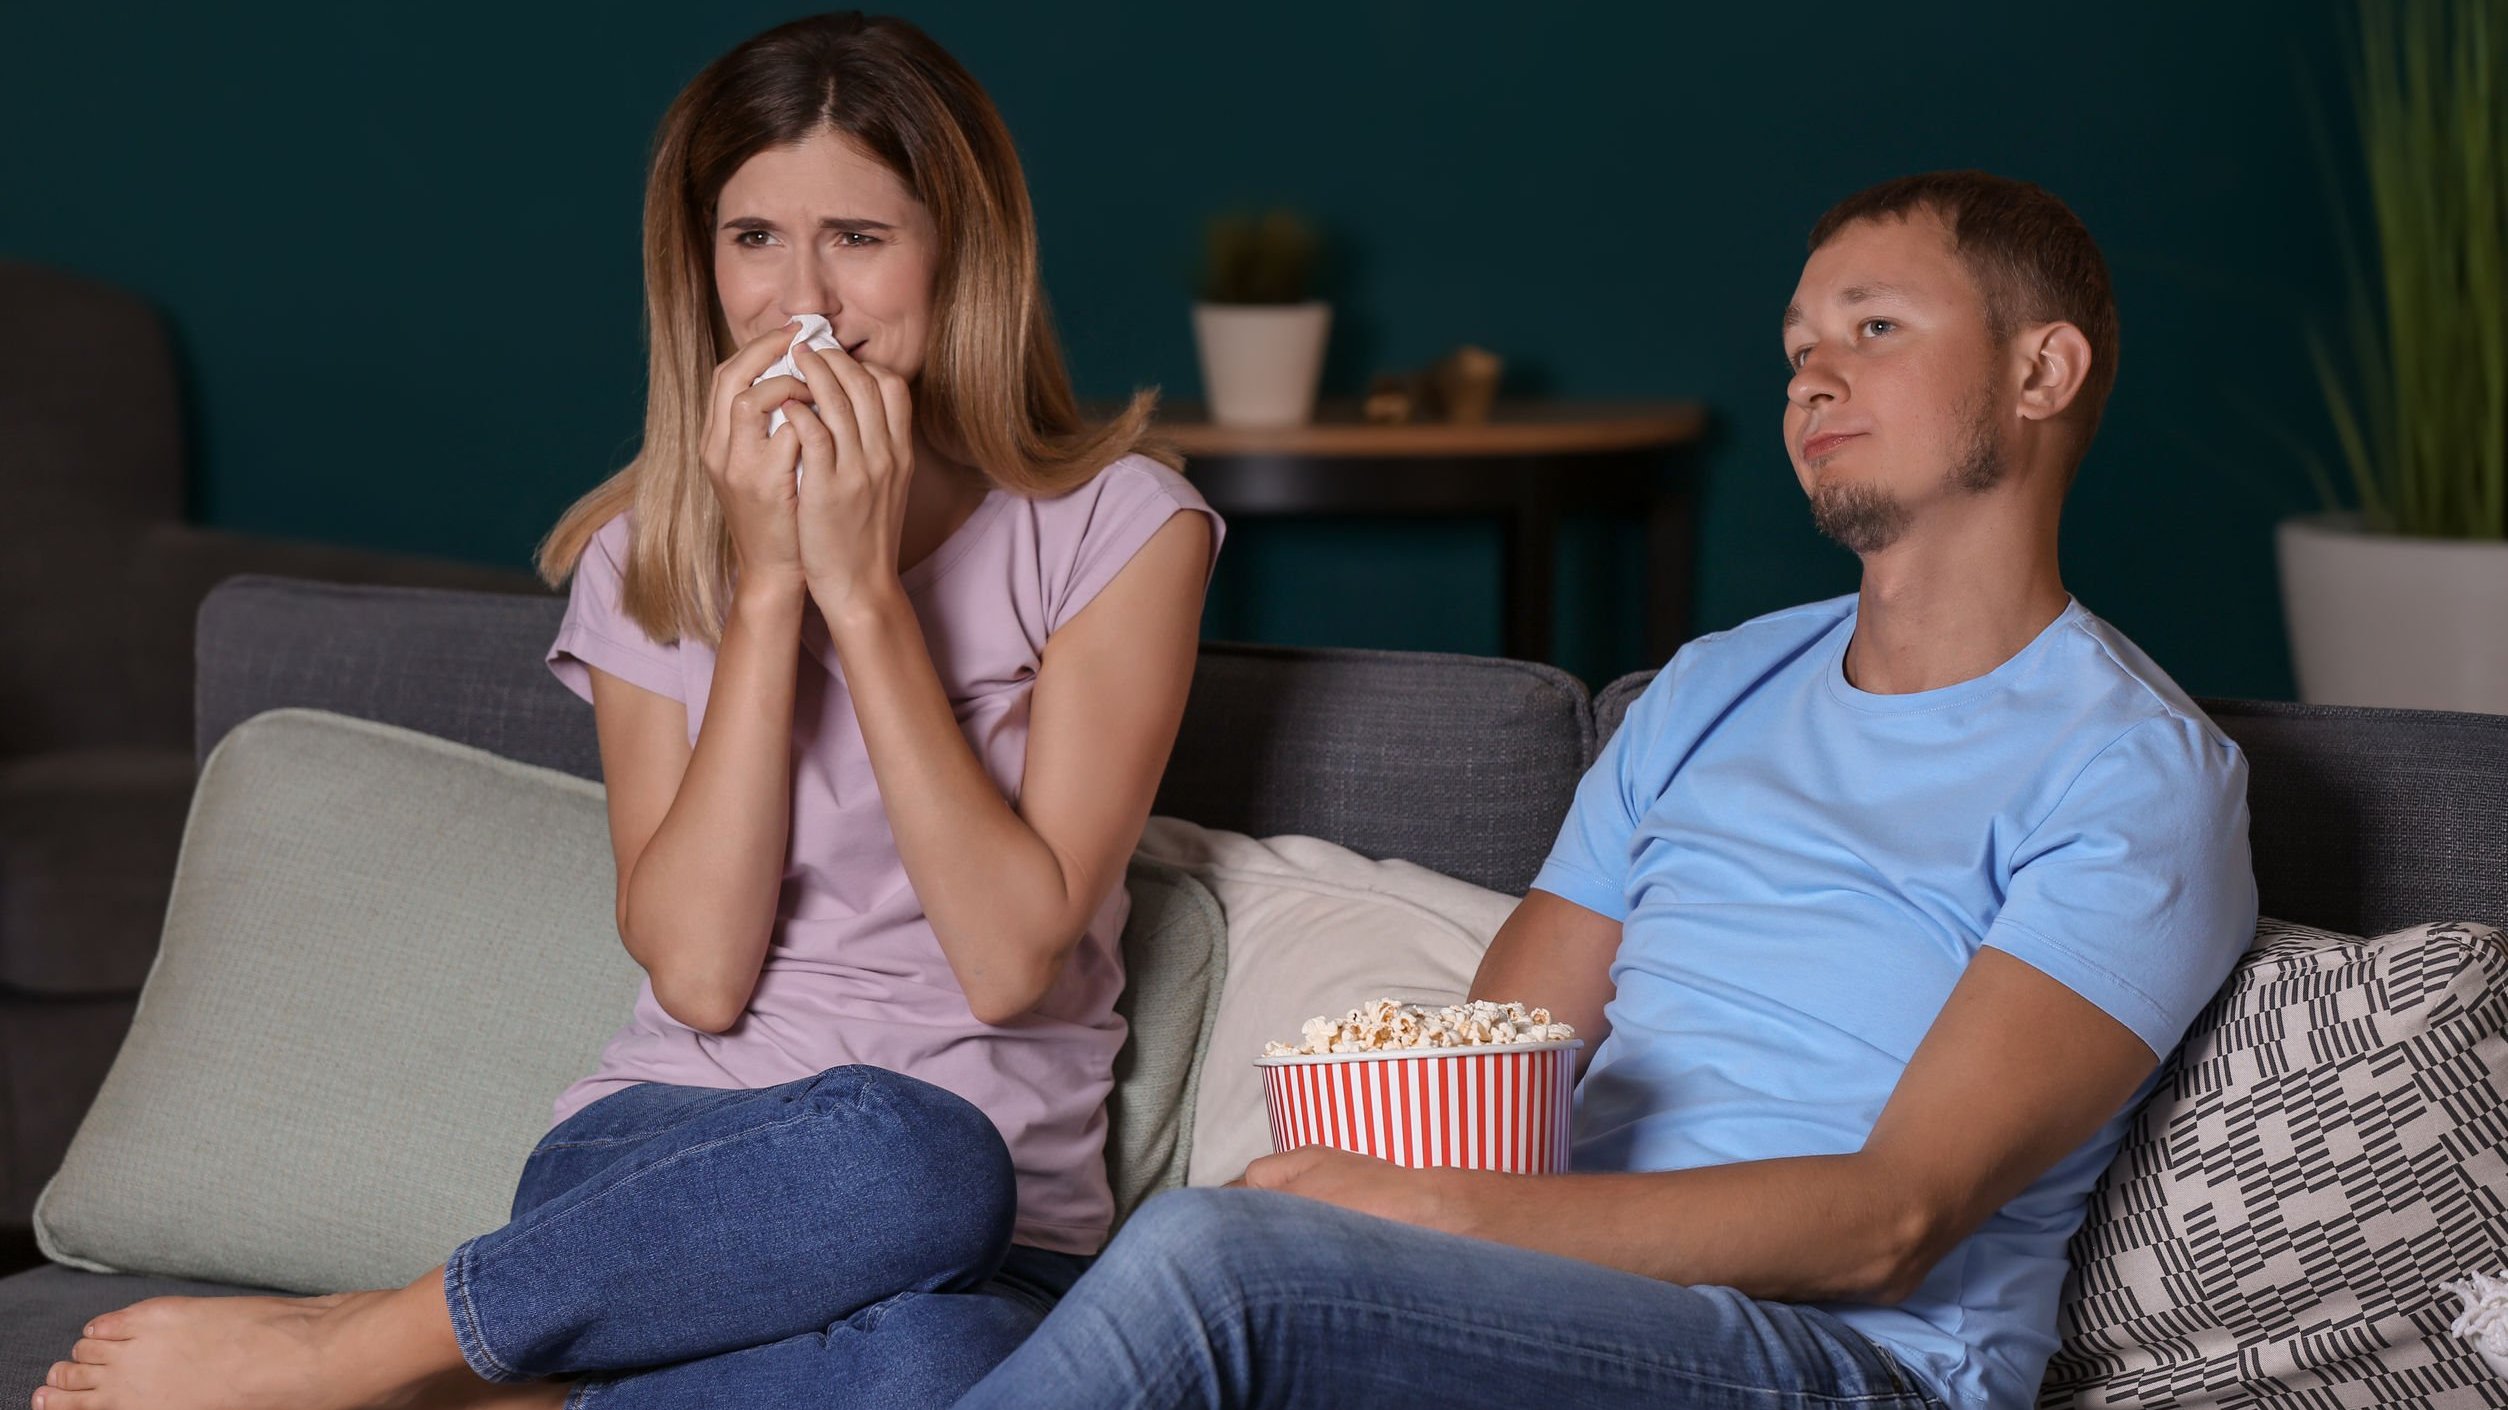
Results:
[2425, 436]
[1265, 260]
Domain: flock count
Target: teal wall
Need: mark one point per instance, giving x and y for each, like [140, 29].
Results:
[398, 247]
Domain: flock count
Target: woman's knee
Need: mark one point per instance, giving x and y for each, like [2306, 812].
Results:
[932, 1132]
[935, 1158]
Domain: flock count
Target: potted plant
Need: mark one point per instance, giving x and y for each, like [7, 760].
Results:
[2405, 601]
[1260, 335]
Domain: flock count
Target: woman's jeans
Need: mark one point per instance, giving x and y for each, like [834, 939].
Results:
[840, 1240]
[1254, 1298]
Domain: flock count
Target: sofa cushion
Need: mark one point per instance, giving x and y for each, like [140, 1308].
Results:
[174, 566]
[385, 955]
[2361, 819]
[1459, 763]
[1312, 928]
[463, 666]
[2329, 1145]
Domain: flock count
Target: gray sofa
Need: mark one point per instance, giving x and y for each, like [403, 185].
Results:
[100, 583]
[2363, 820]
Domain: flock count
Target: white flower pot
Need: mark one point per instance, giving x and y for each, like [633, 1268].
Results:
[2382, 619]
[1260, 362]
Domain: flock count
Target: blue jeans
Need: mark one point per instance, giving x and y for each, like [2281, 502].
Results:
[1252, 1298]
[840, 1239]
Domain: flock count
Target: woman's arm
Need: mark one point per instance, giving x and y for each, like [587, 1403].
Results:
[700, 835]
[1009, 892]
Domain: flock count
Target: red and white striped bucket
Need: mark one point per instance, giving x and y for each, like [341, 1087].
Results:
[1504, 1106]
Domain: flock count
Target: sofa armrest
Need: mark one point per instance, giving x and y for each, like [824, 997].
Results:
[175, 565]
[88, 841]
[54, 1054]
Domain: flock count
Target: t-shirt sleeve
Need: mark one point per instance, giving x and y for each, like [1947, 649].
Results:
[595, 632]
[1589, 864]
[1101, 525]
[2137, 891]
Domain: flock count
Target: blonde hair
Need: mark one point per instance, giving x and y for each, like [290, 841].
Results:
[993, 392]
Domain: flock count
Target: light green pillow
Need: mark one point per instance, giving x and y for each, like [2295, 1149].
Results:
[1175, 955]
[385, 955]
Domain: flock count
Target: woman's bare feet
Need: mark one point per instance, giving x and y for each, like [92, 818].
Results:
[265, 1353]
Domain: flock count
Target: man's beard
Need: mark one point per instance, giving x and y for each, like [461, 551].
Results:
[1865, 519]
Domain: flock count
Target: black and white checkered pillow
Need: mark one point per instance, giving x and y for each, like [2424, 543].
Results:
[2329, 1145]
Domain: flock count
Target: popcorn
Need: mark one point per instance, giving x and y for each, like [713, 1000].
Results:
[1389, 1025]
[2484, 1321]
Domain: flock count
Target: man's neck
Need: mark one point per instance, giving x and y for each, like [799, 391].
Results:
[1952, 601]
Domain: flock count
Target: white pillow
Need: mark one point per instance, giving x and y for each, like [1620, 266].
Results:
[1313, 928]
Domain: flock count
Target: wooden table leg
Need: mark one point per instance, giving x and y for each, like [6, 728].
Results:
[1671, 564]
[1532, 574]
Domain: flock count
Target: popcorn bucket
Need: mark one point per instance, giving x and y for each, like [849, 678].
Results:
[1500, 1106]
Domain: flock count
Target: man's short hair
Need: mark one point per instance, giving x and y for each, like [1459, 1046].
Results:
[2028, 252]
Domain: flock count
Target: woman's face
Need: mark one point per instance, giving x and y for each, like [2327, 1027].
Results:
[820, 227]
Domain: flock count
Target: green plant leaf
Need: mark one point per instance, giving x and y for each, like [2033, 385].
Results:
[2423, 416]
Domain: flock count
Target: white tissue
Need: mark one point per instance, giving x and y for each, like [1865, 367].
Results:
[2484, 1321]
[817, 334]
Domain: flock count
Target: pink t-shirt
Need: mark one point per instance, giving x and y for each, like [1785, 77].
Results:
[853, 973]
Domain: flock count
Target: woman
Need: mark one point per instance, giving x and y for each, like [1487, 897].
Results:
[883, 697]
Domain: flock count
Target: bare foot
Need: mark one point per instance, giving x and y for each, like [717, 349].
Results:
[260, 1353]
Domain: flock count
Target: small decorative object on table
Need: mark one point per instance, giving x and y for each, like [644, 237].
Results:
[1467, 383]
[1260, 336]
[1460, 387]
[1393, 398]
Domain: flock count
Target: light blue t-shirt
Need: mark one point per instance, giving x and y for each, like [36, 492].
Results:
[1803, 869]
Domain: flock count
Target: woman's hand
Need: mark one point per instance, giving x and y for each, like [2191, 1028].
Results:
[857, 459]
[751, 471]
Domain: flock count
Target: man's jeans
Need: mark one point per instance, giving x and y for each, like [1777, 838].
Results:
[844, 1239]
[1252, 1298]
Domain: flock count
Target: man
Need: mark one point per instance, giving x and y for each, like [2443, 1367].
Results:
[1883, 909]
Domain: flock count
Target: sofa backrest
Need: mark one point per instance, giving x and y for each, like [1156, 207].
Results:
[1462, 764]
[2362, 821]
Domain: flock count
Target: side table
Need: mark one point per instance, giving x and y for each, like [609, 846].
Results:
[1529, 464]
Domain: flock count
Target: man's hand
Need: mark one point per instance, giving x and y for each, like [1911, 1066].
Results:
[1427, 1198]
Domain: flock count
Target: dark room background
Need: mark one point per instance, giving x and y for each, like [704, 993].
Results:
[397, 245]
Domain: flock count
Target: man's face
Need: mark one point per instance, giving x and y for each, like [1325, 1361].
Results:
[1895, 395]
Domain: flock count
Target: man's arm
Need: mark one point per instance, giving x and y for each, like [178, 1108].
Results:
[2016, 1071]
[1554, 954]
